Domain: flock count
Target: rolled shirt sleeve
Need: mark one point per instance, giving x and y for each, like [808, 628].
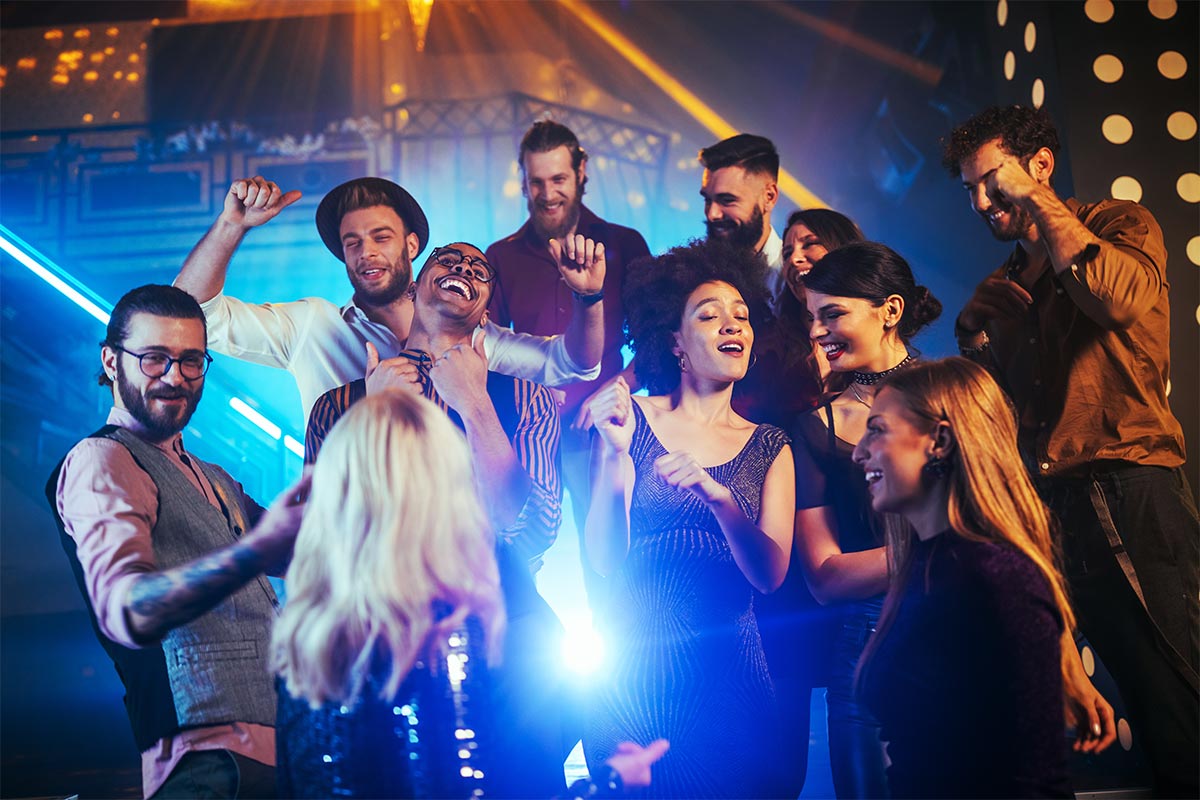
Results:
[262, 333]
[109, 506]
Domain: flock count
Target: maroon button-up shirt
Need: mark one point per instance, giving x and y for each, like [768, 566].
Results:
[531, 296]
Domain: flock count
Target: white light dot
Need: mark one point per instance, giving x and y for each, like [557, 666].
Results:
[1089, 661]
[635, 198]
[1181, 125]
[1117, 129]
[1163, 9]
[1098, 10]
[1172, 65]
[1126, 188]
[1193, 250]
[1010, 65]
[1108, 68]
[1038, 95]
[1002, 12]
[1030, 36]
[1167, 391]
[512, 188]
[1198, 315]
[1124, 733]
[1188, 187]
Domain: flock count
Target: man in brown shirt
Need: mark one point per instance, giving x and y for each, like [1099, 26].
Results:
[1075, 325]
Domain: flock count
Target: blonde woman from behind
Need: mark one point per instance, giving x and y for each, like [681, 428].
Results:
[394, 612]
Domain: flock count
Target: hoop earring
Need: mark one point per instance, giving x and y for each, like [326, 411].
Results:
[753, 361]
[683, 361]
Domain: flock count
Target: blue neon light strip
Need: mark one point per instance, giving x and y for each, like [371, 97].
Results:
[29, 257]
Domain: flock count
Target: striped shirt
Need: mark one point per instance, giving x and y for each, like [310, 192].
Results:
[529, 416]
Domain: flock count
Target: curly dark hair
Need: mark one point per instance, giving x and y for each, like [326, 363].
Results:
[656, 290]
[1022, 131]
[873, 271]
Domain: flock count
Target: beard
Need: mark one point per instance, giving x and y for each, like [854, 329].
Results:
[550, 230]
[385, 292]
[1017, 225]
[160, 424]
[740, 235]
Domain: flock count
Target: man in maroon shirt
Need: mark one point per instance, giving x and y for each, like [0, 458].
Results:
[531, 296]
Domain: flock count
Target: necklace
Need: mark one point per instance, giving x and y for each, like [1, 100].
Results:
[858, 396]
[872, 378]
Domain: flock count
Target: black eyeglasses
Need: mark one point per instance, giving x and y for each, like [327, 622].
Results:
[155, 365]
[451, 257]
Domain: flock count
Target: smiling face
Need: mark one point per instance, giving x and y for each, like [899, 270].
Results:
[453, 292]
[1007, 222]
[163, 405]
[893, 453]
[802, 249]
[553, 191]
[851, 331]
[737, 205]
[378, 251]
[715, 333]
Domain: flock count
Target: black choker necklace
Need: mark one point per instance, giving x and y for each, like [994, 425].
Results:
[872, 378]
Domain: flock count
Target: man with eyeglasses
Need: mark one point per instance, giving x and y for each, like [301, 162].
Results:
[376, 228]
[169, 554]
[512, 429]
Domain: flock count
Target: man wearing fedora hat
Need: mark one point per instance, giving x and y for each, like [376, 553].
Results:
[377, 229]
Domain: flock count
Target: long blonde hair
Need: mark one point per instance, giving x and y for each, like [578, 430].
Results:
[991, 496]
[393, 527]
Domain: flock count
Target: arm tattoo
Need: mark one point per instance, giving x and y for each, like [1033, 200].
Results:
[160, 601]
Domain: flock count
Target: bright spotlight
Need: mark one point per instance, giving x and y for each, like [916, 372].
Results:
[583, 650]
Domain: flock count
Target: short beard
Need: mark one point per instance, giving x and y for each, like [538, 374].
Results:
[390, 293]
[1019, 223]
[740, 235]
[570, 220]
[159, 427]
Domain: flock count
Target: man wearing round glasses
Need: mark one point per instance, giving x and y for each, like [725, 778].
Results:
[376, 229]
[168, 552]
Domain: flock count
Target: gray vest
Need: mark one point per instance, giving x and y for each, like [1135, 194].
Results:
[217, 663]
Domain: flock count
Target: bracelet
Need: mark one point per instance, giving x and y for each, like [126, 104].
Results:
[983, 345]
[588, 299]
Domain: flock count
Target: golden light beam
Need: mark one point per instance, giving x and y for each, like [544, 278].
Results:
[921, 70]
[716, 124]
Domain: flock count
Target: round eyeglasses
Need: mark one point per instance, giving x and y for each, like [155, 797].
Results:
[451, 257]
[154, 364]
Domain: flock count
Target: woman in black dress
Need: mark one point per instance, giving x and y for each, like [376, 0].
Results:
[691, 512]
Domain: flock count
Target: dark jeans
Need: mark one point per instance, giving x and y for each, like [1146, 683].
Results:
[1150, 648]
[856, 755]
[217, 774]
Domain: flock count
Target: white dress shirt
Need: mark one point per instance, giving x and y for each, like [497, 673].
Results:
[324, 346]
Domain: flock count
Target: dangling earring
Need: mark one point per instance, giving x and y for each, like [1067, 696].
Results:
[683, 361]
[937, 467]
[753, 361]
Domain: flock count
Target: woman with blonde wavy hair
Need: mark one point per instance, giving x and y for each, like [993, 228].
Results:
[973, 657]
[394, 610]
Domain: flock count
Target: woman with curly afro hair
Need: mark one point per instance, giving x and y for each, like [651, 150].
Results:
[691, 513]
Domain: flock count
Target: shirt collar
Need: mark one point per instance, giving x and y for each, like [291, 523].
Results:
[772, 251]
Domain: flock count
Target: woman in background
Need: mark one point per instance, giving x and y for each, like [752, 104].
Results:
[974, 646]
[691, 513]
[394, 612]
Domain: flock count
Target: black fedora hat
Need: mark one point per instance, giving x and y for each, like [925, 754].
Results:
[406, 207]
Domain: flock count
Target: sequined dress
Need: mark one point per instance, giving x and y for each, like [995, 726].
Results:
[686, 661]
[430, 740]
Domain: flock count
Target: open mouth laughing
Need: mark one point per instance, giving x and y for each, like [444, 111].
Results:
[458, 285]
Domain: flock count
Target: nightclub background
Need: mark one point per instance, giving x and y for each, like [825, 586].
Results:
[122, 125]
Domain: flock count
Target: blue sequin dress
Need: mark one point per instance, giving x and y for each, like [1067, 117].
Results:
[429, 741]
[686, 662]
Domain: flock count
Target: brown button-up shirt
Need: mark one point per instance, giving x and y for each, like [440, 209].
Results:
[1090, 383]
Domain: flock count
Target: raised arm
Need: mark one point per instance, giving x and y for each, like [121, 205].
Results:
[1115, 274]
[249, 203]
[606, 533]
[582, 264]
